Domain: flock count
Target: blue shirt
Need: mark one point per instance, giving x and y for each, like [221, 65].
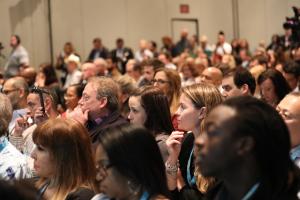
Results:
[295, 155]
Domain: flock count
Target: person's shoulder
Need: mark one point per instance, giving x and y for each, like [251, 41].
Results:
[81, 193]
[159, 197]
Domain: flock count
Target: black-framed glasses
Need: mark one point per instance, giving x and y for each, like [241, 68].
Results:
[159, 81]
[6, 92]
[102, 166]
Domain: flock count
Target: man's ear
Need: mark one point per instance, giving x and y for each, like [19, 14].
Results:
[22, 92]
[202, 113]
[244, 145]
[103, 102]
[245, 89]
[47, 103]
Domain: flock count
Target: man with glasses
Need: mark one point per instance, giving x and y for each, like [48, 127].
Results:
[289, 109]
[17, 90]
[98, 107]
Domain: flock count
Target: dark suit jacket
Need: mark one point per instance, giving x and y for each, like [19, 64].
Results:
[103, 53]
[127, 54]
[114, 119]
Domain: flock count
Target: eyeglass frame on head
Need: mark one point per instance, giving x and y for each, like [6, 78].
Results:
[6, 92]
[40, 92]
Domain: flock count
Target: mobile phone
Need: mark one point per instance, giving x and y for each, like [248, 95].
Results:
[40, 92]
[42, 101]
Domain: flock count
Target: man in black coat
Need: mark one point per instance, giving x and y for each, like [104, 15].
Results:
[99, 51]
[121, 55]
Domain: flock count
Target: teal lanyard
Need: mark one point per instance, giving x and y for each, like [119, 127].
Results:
[145, 196]
[251, 192]
[191, 180]
[3, 143]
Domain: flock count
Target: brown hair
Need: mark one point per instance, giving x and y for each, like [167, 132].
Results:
[70, 148]
[174, 90]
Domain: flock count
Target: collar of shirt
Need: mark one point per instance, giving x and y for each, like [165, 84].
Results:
[295, 153]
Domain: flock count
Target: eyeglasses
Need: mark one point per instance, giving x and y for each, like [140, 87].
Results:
[103, 165]
[159, 81]
[6, 92]
[286, 114]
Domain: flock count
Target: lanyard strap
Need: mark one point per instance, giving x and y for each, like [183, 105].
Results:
[191, 180]
[3, 143]
[251, 192]
[144, 196]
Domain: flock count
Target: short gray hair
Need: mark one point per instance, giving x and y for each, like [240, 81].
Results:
[107, 87]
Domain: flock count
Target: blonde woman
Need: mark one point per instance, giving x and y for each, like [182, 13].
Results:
[196, 101]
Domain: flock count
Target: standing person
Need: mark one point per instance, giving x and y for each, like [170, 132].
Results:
[129, 165]
[63, 161]
[60, 62]
[121, 55]
[183, 44]
[98, 51]
[196, 101]
[18, 57]
[246, 145]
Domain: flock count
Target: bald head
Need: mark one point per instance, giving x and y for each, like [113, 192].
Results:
[101, 66]
[29, 75]
[16, 89]
[212, 75]
[143, 44]
[184, 33]
[88, 70]
[289, 109]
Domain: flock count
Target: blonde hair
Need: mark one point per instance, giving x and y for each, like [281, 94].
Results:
[208, 96]
[203, 95]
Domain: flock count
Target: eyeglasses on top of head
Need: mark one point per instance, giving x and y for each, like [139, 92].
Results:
[6, 92]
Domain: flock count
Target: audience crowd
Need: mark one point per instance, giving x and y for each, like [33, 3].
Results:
[189, 120]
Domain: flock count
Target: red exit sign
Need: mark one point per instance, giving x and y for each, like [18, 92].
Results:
[184, 8]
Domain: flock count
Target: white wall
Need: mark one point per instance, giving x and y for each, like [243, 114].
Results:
[79, 21]
[27, 18]
[260, 19]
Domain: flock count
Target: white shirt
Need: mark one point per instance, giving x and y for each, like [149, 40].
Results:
[13, 164]
[73, 78]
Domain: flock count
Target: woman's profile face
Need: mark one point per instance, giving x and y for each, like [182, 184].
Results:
[43, 162]
[162, 82]
[188, 114]
[267, 90]
[137, 114]
[71, 98]
[109, 181]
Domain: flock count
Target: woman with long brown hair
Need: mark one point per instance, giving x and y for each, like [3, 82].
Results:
[63, 160]
[168, 81]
